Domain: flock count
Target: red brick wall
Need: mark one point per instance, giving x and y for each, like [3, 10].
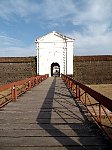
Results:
[16, 68]
[93, 69]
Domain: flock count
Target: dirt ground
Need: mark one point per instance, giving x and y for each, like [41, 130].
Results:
[105, 89]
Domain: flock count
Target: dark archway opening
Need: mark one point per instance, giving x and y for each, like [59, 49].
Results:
[55, 69]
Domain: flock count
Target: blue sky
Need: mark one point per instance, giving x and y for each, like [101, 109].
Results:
[88, 21]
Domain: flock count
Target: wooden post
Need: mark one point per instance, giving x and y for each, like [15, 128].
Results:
[29, 84]
[14, 93]
[77, 91]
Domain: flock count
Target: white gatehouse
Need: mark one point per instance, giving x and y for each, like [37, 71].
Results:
[54, 54]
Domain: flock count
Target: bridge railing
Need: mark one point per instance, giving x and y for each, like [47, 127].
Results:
[99, 106]
[11, 91]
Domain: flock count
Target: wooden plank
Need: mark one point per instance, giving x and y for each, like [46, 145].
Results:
[47, 117]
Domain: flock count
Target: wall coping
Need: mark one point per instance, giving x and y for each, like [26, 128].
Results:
[93, 58]
[16, 59]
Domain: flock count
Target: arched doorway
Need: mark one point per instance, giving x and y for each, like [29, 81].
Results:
[55, 69]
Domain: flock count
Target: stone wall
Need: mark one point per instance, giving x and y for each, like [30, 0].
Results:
[87, 69]
[16, 68]
[93, 69]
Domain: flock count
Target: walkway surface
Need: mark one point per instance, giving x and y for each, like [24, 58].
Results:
[48, 118]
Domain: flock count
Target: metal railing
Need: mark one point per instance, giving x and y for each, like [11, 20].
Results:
[99, 106]
[11, 91]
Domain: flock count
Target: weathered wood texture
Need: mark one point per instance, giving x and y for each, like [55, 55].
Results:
[47, 117]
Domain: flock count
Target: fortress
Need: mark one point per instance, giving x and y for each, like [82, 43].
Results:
[55, 56]
[86, 69]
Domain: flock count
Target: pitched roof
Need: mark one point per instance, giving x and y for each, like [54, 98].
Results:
[62, 36]
[56, 34]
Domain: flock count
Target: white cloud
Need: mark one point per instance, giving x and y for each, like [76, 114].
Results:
[92, 45]
[6, 40]
[96, 34]
[95, 11]
[14, 51]
[22, 8]
[49, 9]
[10, 46]
[58, 9]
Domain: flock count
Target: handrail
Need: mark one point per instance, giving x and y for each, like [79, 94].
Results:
[11, 91]
[99, 106]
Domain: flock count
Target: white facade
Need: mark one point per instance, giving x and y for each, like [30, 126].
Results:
[54, 50]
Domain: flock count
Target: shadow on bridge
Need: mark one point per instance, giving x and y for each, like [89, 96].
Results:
[86, 134]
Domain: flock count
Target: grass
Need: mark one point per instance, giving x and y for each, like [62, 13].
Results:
[104, 89]
[6, 95]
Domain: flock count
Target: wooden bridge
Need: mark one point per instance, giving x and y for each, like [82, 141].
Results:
[53, 115]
